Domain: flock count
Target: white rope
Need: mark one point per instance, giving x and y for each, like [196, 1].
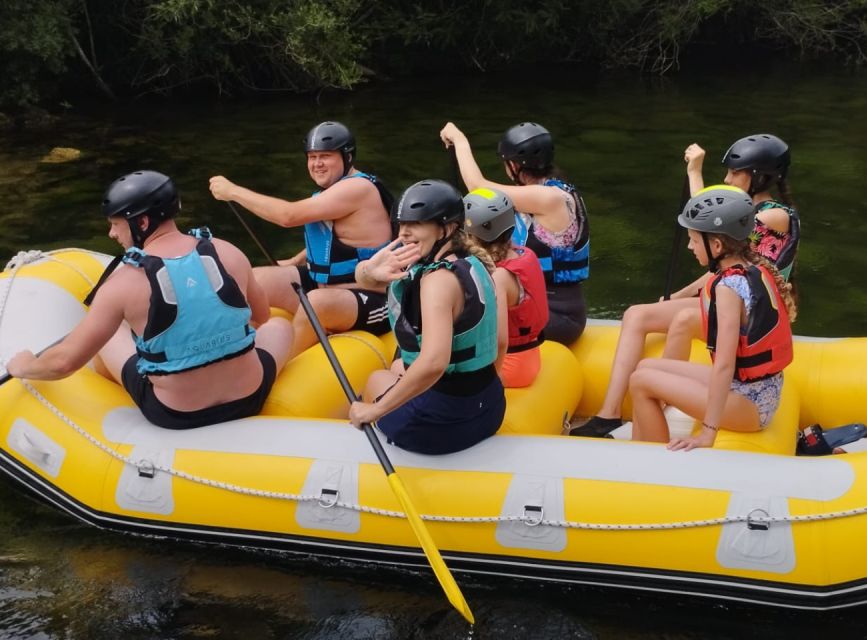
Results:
[363, 341]
[530, 520]
[27, 257]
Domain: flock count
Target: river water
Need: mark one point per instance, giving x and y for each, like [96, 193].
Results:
[619, 137]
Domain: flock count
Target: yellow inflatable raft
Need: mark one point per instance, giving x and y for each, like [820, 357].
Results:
[745, 521]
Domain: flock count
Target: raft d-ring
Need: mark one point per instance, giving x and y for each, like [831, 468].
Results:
[146, 469]
[328, 498]
[758, 525]
[533, 515]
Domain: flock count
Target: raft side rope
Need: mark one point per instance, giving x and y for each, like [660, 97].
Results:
[23, 258]
[27, 257]
[529, 520]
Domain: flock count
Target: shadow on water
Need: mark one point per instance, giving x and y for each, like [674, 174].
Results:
[59, 579]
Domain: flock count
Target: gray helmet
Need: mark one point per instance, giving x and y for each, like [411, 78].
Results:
[720, 209]
[490, 214]
[529, 144]
[332, 136]
[430, 201]
[765, 155]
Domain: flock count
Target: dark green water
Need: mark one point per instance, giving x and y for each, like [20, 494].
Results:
[619, 138]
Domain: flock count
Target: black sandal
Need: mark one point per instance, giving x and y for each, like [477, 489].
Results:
[597, 427]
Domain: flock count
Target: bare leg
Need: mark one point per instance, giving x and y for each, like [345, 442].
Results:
[277, 283]
[275, 337]
[638, 321]
[378, 383]
[685, 386]
[337, 310]
[685, 326]
[114, 354]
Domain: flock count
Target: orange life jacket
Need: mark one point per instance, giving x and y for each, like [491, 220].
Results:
[765, 348]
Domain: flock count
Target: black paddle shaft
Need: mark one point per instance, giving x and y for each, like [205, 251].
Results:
[678, 235]
[381, 455]
[255, 238]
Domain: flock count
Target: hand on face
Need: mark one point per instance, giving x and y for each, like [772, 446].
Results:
[391, 262]
[221, 188]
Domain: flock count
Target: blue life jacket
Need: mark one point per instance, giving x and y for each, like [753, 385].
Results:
[561, 265]
[198, 314]
[474, 340]
[329, 260]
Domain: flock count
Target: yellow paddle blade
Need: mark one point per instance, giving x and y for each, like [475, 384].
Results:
[447, 581]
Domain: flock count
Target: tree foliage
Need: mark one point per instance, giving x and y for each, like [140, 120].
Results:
[55, 49]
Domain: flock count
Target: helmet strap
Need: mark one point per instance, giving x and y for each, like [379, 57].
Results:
[347, 162]
[138, 235]
[712, 262]
[439, 244]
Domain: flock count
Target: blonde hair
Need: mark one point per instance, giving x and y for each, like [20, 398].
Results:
[498, 248]
[743, 248]
[462, 241]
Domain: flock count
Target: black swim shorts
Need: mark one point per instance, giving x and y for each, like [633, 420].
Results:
[141, 390]
[372, 311]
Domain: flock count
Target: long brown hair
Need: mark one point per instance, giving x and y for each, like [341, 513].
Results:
[743, 249]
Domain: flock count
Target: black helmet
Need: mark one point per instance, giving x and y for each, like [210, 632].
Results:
[430, 201]
[529, 144]
[490, 213]
[142, 193]
[765, 155]
[332, 136]
[720, 209]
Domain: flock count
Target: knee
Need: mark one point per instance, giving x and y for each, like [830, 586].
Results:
[635, 317]
[640, 378]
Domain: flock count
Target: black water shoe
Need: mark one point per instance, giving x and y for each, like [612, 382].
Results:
[597, 427]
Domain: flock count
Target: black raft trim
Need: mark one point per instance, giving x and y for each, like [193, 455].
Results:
[750, 591]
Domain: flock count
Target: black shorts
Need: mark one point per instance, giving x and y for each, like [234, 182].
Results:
[141, 390]
[372, 306]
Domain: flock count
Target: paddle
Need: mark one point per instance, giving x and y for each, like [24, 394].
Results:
[6, 377]
[255, 238]
[446, 580]
[678, 235]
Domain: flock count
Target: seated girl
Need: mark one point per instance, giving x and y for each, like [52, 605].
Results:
[522, 304]
[745, 312]
[753, 164]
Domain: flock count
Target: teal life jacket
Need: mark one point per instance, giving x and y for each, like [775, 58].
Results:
[198, 314]
[329, 260]
[560, 265]
[474, 339]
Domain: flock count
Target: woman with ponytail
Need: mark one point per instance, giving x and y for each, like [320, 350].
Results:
[446, 396]
[552, 221]
[745, 310]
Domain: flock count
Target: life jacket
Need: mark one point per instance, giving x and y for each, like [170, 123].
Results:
[530, 315]
[765, 345]
[329, 259]
[198, 314]
[474, 340]
[779, 248]
[561, 265]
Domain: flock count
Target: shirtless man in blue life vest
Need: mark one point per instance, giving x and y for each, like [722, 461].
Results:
[345, 222]
[193, 357]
